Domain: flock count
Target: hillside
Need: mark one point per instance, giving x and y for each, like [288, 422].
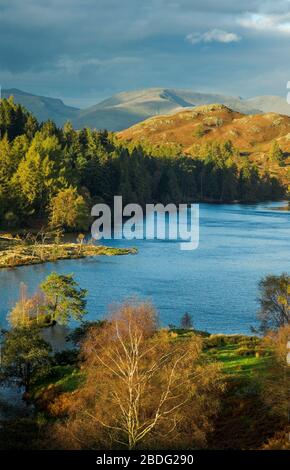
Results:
[252, 135]
[213, 122]
[42, 107]
[125, 109]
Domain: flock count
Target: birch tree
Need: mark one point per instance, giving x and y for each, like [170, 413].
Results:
[139, 382]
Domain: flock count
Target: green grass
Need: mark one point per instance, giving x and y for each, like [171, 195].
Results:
[65, 378]
[236, 365]
[186, 332]
[228, 350]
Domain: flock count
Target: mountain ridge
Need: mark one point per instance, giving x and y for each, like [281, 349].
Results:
[126, 109]
[42, 107]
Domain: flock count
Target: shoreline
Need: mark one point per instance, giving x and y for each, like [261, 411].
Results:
[26, 255]
[69, 235]
[282, 209]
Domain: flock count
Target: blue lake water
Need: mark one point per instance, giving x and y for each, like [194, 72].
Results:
[216, 284]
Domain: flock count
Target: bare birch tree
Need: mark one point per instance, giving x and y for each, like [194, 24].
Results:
[139, 379]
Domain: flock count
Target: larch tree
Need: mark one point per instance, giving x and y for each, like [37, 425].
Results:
[27, 310]
[69, 210]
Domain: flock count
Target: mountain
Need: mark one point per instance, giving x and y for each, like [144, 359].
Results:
[251, 134]
[125, 109]
[43, 107]
[128, 108]
[268, 104]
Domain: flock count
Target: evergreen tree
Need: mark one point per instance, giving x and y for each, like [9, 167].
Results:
[186, 321]
[24, 354]
[64, 298]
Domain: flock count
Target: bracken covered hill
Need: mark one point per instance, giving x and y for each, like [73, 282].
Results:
[252, 135]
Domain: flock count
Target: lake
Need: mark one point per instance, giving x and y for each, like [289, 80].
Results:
[216, 284]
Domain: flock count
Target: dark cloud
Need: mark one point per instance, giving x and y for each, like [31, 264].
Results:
[90, 49]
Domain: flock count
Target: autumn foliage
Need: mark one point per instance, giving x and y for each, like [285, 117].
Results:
[143, 388]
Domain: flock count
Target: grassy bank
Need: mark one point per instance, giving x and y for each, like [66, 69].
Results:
[243, 421]
[14, 252]
[242, 358]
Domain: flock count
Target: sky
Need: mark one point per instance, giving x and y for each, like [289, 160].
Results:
[86, 50]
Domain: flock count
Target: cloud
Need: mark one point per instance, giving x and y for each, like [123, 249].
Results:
[214, 35]
[75, 65]
[266, 22]
[95, 48]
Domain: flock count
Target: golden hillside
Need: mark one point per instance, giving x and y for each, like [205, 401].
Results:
[252, 135]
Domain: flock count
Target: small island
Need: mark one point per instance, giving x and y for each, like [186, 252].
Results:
[17, 251]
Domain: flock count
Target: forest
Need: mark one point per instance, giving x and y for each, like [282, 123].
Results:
[45, 170]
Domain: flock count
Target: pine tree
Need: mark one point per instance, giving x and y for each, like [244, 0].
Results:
[64, 298]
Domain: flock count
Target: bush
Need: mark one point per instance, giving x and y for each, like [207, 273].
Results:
[280, 441]
[79, 334]
[67, 357]
[11, 219]
[215, 341]
[246, 352]
[200, 131]
[218, 340]
[249, 342]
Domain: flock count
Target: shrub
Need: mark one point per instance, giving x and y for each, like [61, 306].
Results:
[280, 441]
[200, 131]
[218, 340]
[249, 342]
[246, 352]
[66, 357]
[11, 219]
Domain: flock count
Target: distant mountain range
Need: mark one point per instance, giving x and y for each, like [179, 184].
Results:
[128, 108]
[42, 107]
